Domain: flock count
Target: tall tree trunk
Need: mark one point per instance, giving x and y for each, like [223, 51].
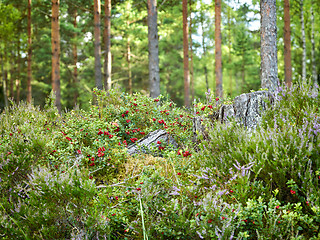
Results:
[191, 54]
[4, 82]
[186, 54]
[204, 49]
[107, 45]
[29, 70]
[229, 53]
[304, 49]
[129, 65]
[314, 71]
[287, 44]
[218, 60]
[75, 61]
[55, 44]
[19, 72]
[268, 33]
[154, 75]
[97, 44]
[12, 71]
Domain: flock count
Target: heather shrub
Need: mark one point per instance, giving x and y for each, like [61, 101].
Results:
[70, 177]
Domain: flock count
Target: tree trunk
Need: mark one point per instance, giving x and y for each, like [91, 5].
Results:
[97, 44]
[55, 43]
[304, 49]
[29, 70]
[129, 64]
[204, 49]
[75, 61]
[191, 55]
[154, 75]
[229, 53]
[268, 32]
[4, 85]
[287, 44]
[19, 72]
[12, 71]
[107, 45]
[186, 54]
[218, 60]
[314, 71]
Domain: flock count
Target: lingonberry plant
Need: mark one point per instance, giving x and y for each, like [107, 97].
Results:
[70, 176]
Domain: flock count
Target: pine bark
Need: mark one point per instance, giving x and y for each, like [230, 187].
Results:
[154, 72]
[29, 69]
[129, 64]
[191, 55]
[287, 44]
[186, 54]
[55, 44]
[268, 32]
[75, 61]
[314, 71]
[204, 49]
[218, 60]
[107, 45]
[97, 44]
[304, 49]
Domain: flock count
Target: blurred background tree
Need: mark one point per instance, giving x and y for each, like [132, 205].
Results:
[240, 47]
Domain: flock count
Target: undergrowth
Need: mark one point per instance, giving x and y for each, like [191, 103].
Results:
[70, 176]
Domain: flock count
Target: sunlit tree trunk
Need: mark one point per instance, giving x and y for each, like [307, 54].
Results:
[314, 71]
[75, 61]
[303, 37]
[107, 45]
[218, 60]
[97, 44]
[268, 35]
[229, 46]
[55, 43]
[154, 72]
[287, 44]
[204, 49]
[29, 70]
[186, 54]
[191, 54]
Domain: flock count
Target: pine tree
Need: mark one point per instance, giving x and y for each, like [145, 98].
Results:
[154, 77]
[268, 33]
[55, 43]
